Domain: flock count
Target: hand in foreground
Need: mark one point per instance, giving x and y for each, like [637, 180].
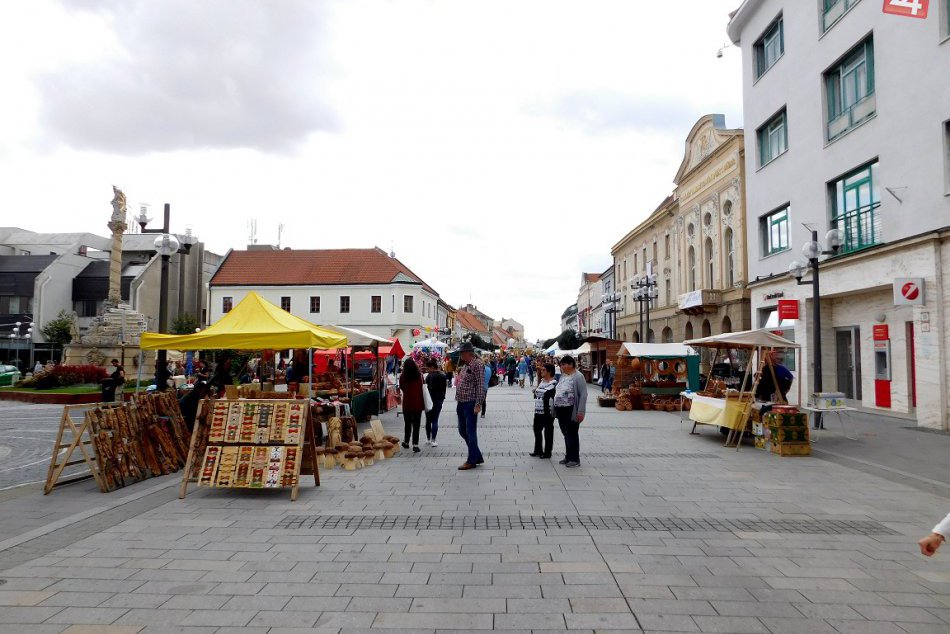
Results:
[580, 418]
[478, 409]
[930, 544]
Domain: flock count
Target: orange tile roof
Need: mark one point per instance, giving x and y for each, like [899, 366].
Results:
[311, 267]
[591, 277]
[470, 322]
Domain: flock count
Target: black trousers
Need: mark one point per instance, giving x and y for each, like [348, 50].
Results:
[413, 421]
[543, 426]
[570, 428]
[484, 406]
[432, 420]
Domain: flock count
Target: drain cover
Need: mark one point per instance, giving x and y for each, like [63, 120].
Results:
[589, 522]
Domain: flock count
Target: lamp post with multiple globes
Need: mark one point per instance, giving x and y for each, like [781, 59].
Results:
[166, 245]
[812, 251]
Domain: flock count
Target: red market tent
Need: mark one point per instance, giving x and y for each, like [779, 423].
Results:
[394, 349]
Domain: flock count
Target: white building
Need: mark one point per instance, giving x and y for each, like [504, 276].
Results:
[358, 288]
[590, 309]
[847, 113]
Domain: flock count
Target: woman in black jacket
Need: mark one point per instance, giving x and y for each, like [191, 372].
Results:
[544, 412]
[437, 383]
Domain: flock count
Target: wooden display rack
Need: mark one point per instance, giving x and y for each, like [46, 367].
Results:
[239, 426]
[72, 436]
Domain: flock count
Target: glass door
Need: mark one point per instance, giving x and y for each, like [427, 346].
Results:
[848, 362]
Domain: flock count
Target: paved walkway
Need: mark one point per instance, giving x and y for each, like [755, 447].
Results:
[658, 531]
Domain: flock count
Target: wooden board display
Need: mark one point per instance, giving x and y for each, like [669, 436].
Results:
[252, 444]
[120, 443]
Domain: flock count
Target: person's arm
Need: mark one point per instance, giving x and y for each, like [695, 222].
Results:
[546, 399]
[580, 394]
[481, 390]
[930, 544]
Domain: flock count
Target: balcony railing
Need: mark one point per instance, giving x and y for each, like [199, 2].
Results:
[702, 301]
[854, 115]
[861, 227]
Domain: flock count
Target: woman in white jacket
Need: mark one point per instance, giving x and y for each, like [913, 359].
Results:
[932, 542]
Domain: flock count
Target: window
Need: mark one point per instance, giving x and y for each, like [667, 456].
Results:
[644, 258]
[849, 90]
[669, 296]
[729, 239]
[636, 262]
[773, 138]
[833, 11]
[407, 303]
[314, 303]
[691, 269]
[86, 307]
[376, 304]
[770, 47]
[856, 198]
[946, 146]
[710, 283]
[655, 256]
[344, 303]
[285, 303]
[666, 241]
[775, 231]
[227, 303]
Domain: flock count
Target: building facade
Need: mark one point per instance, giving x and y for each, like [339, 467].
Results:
[358, 288]
[610, 307]
[590, 306]
[44, 274]
[851, 112]
[693, 244]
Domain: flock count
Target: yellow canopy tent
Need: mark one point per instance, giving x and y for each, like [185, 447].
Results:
[254, 324]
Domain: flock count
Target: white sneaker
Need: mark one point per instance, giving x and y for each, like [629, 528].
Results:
[435, 444]
[428, 442]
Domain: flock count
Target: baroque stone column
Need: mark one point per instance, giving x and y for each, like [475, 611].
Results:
[118, 226]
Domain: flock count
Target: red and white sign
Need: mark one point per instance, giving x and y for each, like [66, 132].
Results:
[908, 291]
[881, 332]
[908, 8]
[787, 309]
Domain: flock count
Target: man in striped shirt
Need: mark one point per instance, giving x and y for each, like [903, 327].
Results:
[469, 395]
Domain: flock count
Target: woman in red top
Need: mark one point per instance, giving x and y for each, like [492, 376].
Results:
[410, 382]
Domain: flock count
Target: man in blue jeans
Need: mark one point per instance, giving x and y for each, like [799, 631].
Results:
[469, 396]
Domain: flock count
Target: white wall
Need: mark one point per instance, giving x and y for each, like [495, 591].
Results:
[912, 92]
[382, 323]
[53, 290]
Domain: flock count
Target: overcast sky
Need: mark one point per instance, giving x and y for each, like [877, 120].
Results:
[502, 147]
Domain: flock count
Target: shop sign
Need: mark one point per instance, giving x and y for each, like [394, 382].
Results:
[774, 295]
[908, 8]
[787, 309]
[881, 332]
[908, 291]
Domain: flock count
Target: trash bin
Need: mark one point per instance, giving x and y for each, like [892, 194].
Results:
[108, 390]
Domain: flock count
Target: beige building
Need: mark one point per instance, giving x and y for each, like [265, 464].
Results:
[694, 244]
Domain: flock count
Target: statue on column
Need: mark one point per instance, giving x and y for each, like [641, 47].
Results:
[118, 226]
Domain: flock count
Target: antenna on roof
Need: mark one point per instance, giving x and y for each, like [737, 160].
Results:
[392, 250]
[280, 231]
[252, 225]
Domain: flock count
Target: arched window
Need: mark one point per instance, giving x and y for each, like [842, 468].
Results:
[691, 269]
[709, 264]
[726, 324]
[727, 208]
[730, 259]
[636, 336]
[689, 331]
[707, 220]
[667, 335]
[651, 338]
[707, 328]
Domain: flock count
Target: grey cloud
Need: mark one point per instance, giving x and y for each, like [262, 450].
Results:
[195, 74]
[598, 112]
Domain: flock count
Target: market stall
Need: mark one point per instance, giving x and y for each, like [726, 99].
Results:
[270, 435]
[652, 374]
[732, 409]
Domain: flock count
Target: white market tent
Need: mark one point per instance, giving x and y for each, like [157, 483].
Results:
[760, 338]
[358, 337]
[429, 343]
[655, 350]
[584, 349]
[553, 350]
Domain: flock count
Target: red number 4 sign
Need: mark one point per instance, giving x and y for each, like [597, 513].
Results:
[907, 8]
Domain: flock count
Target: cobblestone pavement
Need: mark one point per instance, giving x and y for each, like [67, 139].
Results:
[658, 531]
[27, 435]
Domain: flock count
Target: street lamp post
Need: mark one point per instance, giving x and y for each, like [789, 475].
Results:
[165, 245]
[15, 335]
[644, 294]
[812, 251]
